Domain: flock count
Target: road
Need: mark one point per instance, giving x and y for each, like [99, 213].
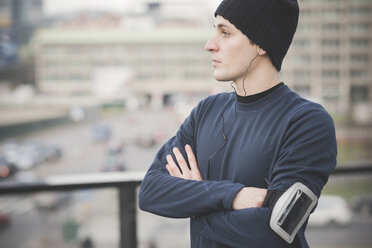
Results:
[357, 234]
[32, 227]
[96, 211]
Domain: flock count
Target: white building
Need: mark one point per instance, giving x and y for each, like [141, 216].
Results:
[330, 60]
[331, 56]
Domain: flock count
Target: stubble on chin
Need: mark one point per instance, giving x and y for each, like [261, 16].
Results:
[221, 78]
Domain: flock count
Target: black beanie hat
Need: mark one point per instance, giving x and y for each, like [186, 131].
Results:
[270, 24]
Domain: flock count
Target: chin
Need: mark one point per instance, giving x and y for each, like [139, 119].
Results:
[222, 78]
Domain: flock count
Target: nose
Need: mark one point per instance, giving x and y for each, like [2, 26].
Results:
[211, 45]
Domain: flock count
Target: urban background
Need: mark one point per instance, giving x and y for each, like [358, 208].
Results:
[91, 86]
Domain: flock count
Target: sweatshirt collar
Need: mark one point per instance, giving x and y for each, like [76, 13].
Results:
[258, 96]
[272, 96]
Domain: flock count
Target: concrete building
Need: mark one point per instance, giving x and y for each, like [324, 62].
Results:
[18, 20]
[22, 15]
[162, 61]
[331, 57]
[5, 13]
[330, 60]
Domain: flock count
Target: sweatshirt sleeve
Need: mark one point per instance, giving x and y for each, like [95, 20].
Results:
[170, 196]
[308, 155]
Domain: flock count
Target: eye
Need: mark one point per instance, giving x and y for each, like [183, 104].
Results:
[225, 34]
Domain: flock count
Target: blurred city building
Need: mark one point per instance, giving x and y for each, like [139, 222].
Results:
[165, 60]
[160, 58]
[331, 57]
[329, 62]
[18, 21]
[24, 16]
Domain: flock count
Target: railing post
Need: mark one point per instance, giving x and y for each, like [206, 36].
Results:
[127, 209]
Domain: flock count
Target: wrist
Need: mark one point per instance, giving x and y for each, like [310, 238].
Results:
[231, 196]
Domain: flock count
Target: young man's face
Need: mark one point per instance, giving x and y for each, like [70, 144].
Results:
[231, 51]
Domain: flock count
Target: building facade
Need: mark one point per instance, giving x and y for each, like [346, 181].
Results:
[331, 56]
[330, 60]
[164, 61]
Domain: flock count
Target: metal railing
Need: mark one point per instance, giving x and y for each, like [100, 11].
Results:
[126, 183]
[353, 169]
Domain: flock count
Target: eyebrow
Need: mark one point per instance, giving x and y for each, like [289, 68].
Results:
[222, 26]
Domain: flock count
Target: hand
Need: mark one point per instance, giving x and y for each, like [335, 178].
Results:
[191, 173]
[249, 197]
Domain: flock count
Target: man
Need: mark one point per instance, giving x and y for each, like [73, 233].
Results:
[235, 165]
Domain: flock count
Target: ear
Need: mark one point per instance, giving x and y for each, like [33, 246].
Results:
[260, 51]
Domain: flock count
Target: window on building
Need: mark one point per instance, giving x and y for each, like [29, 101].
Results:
[359, 42]
[51, 77]
[143, 76]
[331, 58]
[330, 43]
[355, 73]
[307, 12]
[359, 58]
[331, 27]
[331, 13]
[303, 90]
[302, 59]
[331, 92]
[75, 76]
[330, 73]
[302, 74]
[302, 43]
[362, 28]
[305, 28]
[360, 12]
[359, 93]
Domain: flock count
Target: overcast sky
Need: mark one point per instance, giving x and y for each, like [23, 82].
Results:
[52, 7]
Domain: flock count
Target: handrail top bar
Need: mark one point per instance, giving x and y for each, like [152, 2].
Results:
[74, 182]
[353, 169]
[115, 180]
[107, 177]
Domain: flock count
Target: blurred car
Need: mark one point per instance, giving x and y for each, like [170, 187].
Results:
[116, 146]
[29, 155]
[331, 210]
[4, 219]
[145, 140]
[113, 162]
[26, 176]
[6, 169]
[77, 113]
[25, 156]
[51, 200]
[362, 205]
[101, 133]
[51, 153]
[9, 151]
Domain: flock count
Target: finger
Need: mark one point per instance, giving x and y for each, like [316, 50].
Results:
[195, 172]
[181, 161]
[172, 165]
[191, 158]
[169, 169]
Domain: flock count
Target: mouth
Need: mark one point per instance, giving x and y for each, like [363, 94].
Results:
[215, 62]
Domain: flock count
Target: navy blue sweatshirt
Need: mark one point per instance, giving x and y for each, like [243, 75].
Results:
[282, 138]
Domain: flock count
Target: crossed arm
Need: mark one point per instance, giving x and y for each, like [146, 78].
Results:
[246, 223]
[247, 197]
[228, 212]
